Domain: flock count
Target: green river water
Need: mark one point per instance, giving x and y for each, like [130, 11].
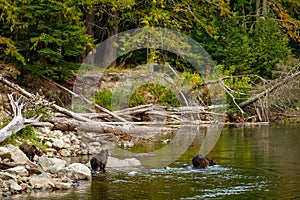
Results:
[261, 162]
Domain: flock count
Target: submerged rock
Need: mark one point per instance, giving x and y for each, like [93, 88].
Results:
[63, 186]
[126, 163]
[132, 173]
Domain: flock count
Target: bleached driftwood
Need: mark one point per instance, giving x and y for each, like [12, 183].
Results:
[78, 122]
[270, 89]
[18, 122]
[27, 94]
[86, 100]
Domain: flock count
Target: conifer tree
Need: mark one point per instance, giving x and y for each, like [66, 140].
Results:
[49, 34]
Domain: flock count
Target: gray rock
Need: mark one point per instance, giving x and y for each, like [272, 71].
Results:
[78, 171]
[95, 144]
[75, 148]
[83, 145]
[74, 140]
[5, 186]
[18, 170]
[83, 152]
[57, 133]
[17, 155]
[66, 139]
[48, 144]
[7, 176]
[39, 186]
[63, 186]
[93, 148]
[46, 130]
[4, 152]
[51, 152]
[24, 186]
[51, 165]
[58, 143]
[126, 163]
[65, 153]
[40, 181]
[14, 186]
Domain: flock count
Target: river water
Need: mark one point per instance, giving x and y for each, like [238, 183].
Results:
[260, 162]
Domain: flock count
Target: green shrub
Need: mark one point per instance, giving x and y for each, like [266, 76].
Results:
[153, 93]
[26, 134]
[103, 98]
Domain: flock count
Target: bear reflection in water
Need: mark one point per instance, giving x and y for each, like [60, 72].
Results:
[200, 162]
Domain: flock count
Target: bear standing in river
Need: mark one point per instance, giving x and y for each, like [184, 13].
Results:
[99, 161]
[200, 162]
[30, 151]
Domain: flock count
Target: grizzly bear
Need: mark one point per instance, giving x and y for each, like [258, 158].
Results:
[99, 161]
[30, 151]
[200, 162]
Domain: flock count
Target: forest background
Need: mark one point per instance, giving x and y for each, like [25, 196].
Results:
[252, 42]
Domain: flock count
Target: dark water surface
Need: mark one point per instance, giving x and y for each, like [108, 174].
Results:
[261, 162]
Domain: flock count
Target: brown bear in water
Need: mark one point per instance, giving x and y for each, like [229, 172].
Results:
[201, 162]
[99, 161]
[235, 118]
[30, 151]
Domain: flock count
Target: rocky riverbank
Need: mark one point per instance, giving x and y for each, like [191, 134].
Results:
[54, 170]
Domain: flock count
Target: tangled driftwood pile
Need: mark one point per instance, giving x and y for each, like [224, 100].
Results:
[145, 118]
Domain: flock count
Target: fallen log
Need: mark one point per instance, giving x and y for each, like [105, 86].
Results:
[106, 127]
[127, 112]
[78, 122]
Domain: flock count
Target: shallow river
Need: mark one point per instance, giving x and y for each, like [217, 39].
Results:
[261, 162]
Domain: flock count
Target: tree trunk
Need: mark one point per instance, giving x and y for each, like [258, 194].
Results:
[257, 9]
[265, 7]
[111, 49]
[90, 22]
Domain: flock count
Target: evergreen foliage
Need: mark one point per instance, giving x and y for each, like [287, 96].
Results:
[50, 37]
[47, 36]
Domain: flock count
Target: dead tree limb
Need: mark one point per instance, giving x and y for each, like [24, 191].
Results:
[228, 91]
[79, 123]
[18, 122]
[86, 100]
[51, 105]
[263, 93]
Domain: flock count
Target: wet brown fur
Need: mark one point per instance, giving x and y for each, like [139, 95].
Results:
[200, 162]
[30, 150]
[98, 162]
